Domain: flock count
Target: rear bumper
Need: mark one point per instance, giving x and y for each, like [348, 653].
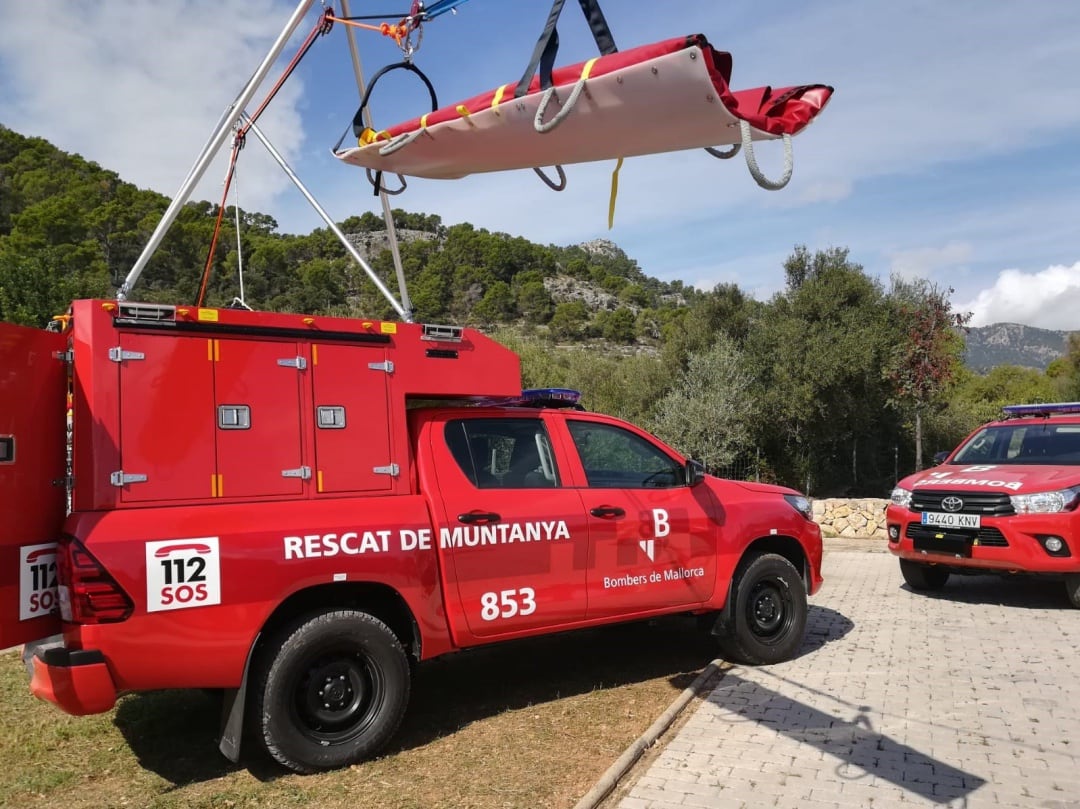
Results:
[77, 681]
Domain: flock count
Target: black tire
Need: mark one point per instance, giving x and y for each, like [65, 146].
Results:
[768, 618]
[331, 691]
[1072, 589]
[923, 577]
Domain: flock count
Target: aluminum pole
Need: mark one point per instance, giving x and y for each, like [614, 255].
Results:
[407, 317]
[211, 148]
[388, 216]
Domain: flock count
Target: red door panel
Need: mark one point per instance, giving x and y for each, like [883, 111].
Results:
[166, 417]
[352, 434]
[651, 548]
[33, 385]
[263, 456]
[514, 550]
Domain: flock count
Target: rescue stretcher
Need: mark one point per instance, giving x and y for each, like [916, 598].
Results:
[662, 97]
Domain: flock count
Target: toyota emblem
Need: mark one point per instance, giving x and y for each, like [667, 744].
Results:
[952, 503]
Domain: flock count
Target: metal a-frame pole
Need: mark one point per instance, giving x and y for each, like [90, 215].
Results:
[352, 251]
[213, 145]
[388, 216]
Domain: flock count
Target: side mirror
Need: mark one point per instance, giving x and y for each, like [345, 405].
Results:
[695, 472]
[939, 457]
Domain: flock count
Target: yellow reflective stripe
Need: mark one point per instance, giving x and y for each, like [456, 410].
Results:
[319, 479]
[585, 71]
[614, 194]
[423, 120]
[213, 485]
[314, 354]
[498, 96]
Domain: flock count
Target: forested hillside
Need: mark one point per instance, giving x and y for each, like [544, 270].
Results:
[824, 387]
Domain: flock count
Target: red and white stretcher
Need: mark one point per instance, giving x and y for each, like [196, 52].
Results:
[662, 97]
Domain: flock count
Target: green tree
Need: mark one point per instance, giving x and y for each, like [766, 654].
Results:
[928, 350]
[708, 412]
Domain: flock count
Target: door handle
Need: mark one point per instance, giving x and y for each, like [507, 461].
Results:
[482, 517]
[607, 511]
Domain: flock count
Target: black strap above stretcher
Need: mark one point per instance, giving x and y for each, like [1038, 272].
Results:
[548, 45]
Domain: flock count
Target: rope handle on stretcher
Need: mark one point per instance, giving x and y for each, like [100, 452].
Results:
[572, 99]
[549, 182]
[751, 161]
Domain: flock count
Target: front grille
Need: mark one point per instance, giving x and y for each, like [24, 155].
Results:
[986, 504]
[987, 536]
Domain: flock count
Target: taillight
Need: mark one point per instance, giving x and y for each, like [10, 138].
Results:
[92, 596]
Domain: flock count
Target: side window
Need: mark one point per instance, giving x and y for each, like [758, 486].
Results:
[615, 458]
[503, 453]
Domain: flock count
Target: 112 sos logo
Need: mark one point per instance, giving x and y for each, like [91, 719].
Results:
[182, 573]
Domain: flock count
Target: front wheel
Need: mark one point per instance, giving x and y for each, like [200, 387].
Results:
[923, 577]
[1072, 589]
[333, 693]
[768, 613]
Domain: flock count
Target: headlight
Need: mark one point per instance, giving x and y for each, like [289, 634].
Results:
[800, 504]
[1045, 502]
[900, 497]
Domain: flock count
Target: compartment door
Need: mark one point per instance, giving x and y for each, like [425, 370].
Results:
[257, 386]
[352, 427]
[166, 417]
[33, 387]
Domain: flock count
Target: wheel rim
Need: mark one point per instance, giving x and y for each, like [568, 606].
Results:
[770, 610]
[337, 696]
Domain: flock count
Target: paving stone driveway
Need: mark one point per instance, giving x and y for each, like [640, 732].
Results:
[899, 699]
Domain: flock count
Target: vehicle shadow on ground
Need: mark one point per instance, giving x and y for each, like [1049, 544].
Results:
[174, 733]
[1016, 590]
[823, 625]
[847, 734]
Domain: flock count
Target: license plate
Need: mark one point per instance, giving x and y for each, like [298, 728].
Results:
[940, 519]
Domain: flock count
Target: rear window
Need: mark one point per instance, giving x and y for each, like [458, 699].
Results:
[1033, 444]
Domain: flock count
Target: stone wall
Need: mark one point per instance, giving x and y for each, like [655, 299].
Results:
[841, 517]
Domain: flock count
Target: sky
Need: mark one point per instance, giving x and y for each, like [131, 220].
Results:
[950, 150]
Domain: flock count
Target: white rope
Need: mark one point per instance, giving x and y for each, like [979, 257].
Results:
[751, 162]
[538, 121]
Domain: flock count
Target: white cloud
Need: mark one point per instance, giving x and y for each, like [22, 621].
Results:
[138, 86]
[1048, 299]
[924, 262]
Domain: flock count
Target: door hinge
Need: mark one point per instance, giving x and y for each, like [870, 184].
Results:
[393, 470]
[299, 363]
[65, 356]
[67, 482]
[119, 355]
[121, 479]
[386, 365]
[302, 472]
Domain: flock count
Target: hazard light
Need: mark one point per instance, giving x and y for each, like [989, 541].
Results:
[1057, 408]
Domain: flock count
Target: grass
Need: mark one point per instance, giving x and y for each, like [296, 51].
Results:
[523, 724]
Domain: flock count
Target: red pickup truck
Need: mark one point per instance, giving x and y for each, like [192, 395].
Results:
[294, 509]
[1004, 501]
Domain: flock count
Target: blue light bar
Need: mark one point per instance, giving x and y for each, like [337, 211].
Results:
[1047, 409]
[564, 396]
[535, 397]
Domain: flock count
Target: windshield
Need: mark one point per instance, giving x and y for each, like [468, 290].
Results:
[1045, 443]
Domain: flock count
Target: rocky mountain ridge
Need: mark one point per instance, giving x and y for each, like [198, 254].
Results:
[1013, 344]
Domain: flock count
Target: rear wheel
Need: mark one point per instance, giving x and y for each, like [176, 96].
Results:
[768, 613]
[334, 692]
[923, 577]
